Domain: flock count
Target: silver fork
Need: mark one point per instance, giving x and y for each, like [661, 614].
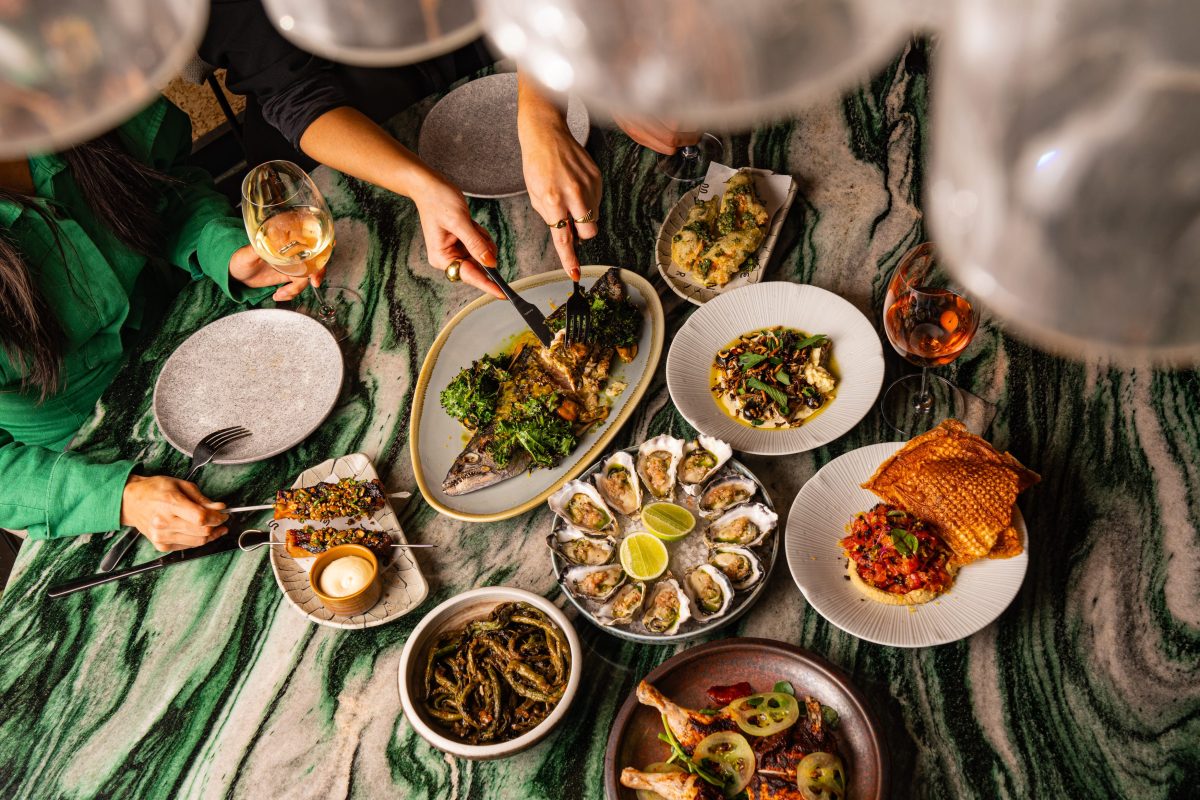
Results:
[204, 453]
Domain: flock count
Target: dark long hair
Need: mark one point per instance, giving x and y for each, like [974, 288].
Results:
[123, 193]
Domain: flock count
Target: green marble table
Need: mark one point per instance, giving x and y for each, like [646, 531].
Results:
[199, 681]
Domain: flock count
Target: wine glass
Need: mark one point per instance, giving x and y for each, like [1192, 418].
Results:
[291, 228]
[689, 164]
[930, 323]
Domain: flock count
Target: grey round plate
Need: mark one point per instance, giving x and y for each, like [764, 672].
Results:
[470, 136]
[682, 555]
[274, 372]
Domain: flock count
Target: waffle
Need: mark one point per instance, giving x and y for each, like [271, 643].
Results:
[961, 485]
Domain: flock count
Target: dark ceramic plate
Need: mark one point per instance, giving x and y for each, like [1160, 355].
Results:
[684, 679]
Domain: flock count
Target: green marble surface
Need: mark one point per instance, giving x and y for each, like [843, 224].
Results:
[199, 681]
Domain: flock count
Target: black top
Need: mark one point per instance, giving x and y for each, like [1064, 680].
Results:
[294, 87]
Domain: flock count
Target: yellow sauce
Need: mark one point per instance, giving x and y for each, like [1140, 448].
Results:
[345, 576]
[729, 410]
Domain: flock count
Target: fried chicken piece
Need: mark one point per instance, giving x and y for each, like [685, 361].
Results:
[689, 726]
[671, 785]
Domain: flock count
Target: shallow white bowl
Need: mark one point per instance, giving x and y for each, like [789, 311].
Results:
[455, 613]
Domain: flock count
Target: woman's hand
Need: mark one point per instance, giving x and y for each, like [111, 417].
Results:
[659, 136]
[171, 513]
[450, 233]
[247, 267]
[563, 182]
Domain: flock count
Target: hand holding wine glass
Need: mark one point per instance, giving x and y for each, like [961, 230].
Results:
[929, 322]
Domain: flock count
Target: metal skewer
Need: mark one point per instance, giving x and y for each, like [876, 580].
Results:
[252, 539]
[266, 506]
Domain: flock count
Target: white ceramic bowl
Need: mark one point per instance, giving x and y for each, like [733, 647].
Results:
[455, 613]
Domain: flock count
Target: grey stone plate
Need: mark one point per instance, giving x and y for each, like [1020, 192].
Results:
[470, 136]
[275, 372]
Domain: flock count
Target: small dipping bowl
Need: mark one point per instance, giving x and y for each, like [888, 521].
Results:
[456, 613]
[351, 604]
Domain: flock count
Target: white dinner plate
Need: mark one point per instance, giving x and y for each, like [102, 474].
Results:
[857, 356]
[484, 327]
[275, 372]
[404, 587]
[818, 519]
[470, 136]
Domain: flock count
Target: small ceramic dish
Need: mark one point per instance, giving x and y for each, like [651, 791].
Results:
[456, 613]
[357, 602]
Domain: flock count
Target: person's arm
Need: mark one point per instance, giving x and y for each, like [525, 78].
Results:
[563, 181]
[350, 142]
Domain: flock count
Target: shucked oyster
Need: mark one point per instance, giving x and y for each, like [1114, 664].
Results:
[618, 483]
[581, 549]
[667, 608]
[624, 605]
[744, 525]
[594, 583]
[710, 591]
[701, 460]
[723, 493]
[581, 505]
[740, 564]
[657, 464]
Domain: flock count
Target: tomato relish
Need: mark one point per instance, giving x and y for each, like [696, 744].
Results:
[895, 552]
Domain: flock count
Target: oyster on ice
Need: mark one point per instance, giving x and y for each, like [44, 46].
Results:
[723, 493]
[657, 463]
[624, 605]
[594, 583]
[739, 564]
[581, 549]
[702, 458]
[618, 483]
[710, 591]
[580, 505]
[745, 525]
[667, 607]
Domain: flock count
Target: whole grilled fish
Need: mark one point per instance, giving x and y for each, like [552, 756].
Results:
[576, 373]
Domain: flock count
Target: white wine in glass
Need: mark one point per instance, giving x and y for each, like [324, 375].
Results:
[291, 228]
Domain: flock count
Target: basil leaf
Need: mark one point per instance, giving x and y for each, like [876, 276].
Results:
[779, 397]
[751, 359]
[810, 341]
[897, 513]
[783, 378]
[904, 542]
[783, 687]
[830, 715]
[776, 360]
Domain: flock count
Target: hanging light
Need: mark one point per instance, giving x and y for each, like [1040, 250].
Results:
[72, 69]
[376, 33]
[1065, 180]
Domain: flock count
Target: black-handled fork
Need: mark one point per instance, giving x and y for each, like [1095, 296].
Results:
[534, 318]
[579, 313]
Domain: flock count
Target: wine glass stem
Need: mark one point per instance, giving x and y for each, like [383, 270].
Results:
[325, 311]
[923, 401]
[690, 151]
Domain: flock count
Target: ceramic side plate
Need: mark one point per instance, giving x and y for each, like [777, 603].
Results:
[818, 519]
[404, 587]
[230, 372]
[857, 356]
[470, 136]
[484, 327]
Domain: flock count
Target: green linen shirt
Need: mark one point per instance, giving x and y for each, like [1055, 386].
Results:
[97, 287]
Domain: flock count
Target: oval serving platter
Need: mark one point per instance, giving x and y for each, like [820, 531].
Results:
[684, 679]
[683, 554]
[437, 438]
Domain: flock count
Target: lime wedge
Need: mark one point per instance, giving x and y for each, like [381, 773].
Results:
[668, 521]
[643, 556]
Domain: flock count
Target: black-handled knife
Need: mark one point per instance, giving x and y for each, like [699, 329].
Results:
[534, 318]
[223, 545]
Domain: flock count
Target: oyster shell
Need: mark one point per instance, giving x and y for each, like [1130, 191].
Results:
[624, 605]
[580, 505]
[581, 549]
[667, 607]
[740, 564]
[710, 591]
[702, 457]
[657, 462]
[618, 483]
[745, 525]
[723, 493]
[594, 583]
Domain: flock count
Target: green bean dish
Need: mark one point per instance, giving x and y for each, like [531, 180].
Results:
[498, 677]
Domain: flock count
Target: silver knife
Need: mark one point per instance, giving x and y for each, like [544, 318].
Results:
[227, 542]
[534, 318]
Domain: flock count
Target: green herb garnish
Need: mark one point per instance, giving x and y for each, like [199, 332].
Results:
[471, 397]
[680, 756]
[779, 397]
[810, 341]
[783, 687]
[905, 543]
[830, 715]
[535, 427]
[783, 377]
[751, 359]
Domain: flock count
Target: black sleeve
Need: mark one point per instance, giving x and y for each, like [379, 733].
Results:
[291, 86]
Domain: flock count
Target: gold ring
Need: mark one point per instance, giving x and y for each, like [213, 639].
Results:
[590, 216]
[454, 271]
[562, 223]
